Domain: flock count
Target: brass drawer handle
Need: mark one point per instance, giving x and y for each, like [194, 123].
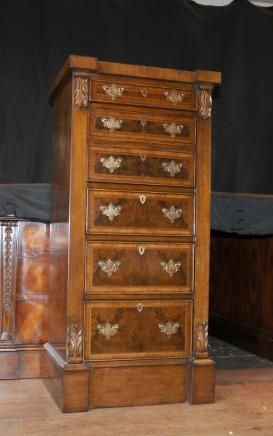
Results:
[170, 267]
[111, 211]
[113, 91]
[169, 329]
[142, 157]
[111, 163]
[173, 129]
[143, 123]
[174, 97]
[107, 329]
[172, 167]
[111, 123]
[172, 213]
[109, 267]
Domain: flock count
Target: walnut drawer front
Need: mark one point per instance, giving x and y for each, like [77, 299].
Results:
[145, 94]
[145, 125]
[139, 212]
[140, 166]
[113, 267]
[133, 329]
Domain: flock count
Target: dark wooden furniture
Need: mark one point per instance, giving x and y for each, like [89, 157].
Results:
[24, 260]
[241, 297]
[128, 310]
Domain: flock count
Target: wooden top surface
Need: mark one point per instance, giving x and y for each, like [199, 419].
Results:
[91, 64]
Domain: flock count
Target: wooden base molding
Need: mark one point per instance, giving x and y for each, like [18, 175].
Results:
[68, 384]
[21, 363]
[202, 382]
[138, 385]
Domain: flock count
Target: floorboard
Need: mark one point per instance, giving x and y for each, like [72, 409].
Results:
[243, 407]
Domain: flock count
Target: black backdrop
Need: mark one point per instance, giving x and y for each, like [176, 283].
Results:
[37, 35]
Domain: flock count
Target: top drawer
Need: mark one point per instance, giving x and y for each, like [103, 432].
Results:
[144, 94]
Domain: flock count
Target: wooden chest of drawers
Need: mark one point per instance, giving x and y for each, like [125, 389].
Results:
[129, 275]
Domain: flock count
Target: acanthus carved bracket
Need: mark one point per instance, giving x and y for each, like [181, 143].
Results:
[80, 92]
[74, 343]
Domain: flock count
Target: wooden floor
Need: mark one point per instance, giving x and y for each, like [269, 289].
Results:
[244, 406]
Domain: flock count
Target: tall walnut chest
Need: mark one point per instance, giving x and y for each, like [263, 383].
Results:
[128, 306]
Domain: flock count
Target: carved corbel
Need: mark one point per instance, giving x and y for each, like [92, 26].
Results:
[204, 101]
[74, 345]
[80, 92]
[201, 338]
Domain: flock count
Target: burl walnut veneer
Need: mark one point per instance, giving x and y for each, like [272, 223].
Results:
[128, 307]
[24, 260]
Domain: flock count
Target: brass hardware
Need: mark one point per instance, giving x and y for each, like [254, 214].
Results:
[113, 91]
[141, 250]
[173, 129]
[107, 329]
[172, 213]
[111, 163]
[174, 97]
[142, 199]
[111, 211]
[144, 92]
[172, 167]
[143, 123]
[142, 157]
[170, 267]
[109, 267]
[111, 123]
[140, 307]
[169, 329]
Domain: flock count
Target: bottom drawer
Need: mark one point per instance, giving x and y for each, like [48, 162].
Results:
[135, 329]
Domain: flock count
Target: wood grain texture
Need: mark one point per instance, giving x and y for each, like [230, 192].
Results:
[241, 291]
[139, 333]
[145, 125]
[134, 273]
[140, 213]
[140, 166]
[132, 386]
[131, 231]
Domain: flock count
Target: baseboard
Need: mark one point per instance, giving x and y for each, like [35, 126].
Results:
[21, 363]
[253, 339]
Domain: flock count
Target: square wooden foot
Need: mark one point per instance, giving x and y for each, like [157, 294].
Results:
[68, 385]
[202, 382]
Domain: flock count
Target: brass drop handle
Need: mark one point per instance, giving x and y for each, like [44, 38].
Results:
[107, 329]
[111, 211]
[111, 123]
[172, 167]
[173, 129]
[111, 163]
[109, 267]
[170, 328]
[113, 91]
[174, 97]
[170, 267]
[172, 213]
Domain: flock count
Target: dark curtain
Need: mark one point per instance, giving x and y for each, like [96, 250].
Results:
[36, 36]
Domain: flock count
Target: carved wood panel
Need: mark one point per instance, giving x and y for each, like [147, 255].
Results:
[8, 253]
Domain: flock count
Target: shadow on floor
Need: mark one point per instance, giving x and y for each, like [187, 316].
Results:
[228, 356]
